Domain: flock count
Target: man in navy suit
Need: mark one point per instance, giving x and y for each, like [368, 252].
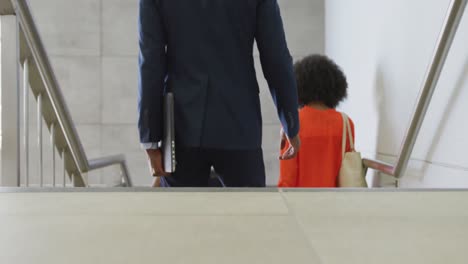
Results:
[202, 50]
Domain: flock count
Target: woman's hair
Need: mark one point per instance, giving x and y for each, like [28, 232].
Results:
[320, 80]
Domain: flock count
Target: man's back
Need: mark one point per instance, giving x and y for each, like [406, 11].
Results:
[209, 35]
[209, 66]
[211, 71]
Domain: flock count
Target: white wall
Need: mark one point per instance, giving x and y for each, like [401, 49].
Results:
[384, 47]
[0, 98]
[93, 48]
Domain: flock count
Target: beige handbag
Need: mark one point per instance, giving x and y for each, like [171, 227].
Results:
[352, 173]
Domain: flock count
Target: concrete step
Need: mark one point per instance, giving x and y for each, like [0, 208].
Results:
[233, 226]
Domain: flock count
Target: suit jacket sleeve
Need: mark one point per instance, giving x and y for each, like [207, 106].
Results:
[152, 71]
[277, 64]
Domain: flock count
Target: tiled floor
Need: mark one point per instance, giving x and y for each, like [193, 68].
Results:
[234, 227]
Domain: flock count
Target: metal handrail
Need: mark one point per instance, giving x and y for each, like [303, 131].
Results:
[113, 160]
[52, 88]
[39, 54]
[444, 43]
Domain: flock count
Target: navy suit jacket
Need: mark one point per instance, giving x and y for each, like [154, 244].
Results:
[202, 50]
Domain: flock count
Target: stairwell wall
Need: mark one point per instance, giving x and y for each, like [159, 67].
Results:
[385, 48]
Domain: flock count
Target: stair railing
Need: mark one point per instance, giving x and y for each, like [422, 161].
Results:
[444, 43]
[39, 78]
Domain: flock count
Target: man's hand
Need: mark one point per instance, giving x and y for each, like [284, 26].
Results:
[294, 146]
[157, 182]
[156, 163]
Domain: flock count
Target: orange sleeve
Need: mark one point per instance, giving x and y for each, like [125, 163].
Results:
[288, 171]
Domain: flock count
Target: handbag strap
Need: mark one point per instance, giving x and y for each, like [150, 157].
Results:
[350, 134]
[346, 128]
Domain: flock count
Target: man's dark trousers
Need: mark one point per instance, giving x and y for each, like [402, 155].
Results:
[236, 168]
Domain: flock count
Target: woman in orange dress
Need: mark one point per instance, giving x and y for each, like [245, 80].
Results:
[321, 86]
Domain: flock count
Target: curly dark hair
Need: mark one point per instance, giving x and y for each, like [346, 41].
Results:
[320, 80]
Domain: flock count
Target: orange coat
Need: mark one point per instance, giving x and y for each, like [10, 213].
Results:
[319, 160]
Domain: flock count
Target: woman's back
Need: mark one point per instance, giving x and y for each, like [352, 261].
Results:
[319, 160]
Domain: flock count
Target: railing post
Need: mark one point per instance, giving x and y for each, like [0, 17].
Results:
[26, 119]
[64, 152]
[10, 102]
[52, 140]
[79, 179]
[125, 174]
[40, 139]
